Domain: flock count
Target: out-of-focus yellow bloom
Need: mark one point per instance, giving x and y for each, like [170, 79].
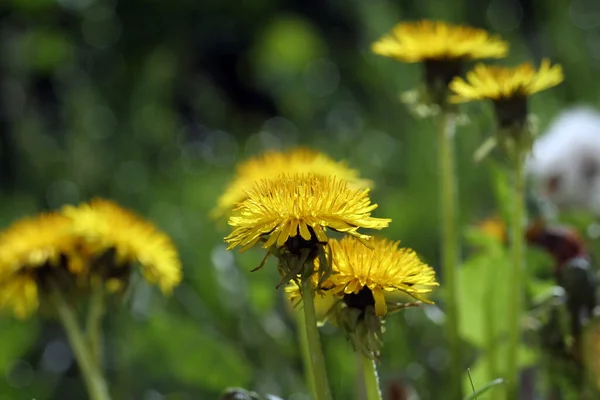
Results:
[493, 227]
[29, 250]
[106, 226]
[385, 268]
[271, 164]
[301, 205]
[435, 40]
[502, 83]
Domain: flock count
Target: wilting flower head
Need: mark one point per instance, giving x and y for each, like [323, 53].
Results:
[272, 163]
[565, 161]
[291, 214]
[125, 238]
[441, 47]
[32, 252]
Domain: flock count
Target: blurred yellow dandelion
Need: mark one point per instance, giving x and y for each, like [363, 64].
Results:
[27, 249]
[273, 163]
[501, 83]
[436, 40]
[105, 226]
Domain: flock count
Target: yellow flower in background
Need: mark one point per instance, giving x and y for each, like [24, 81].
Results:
[105, 226]
[503, 83]
[383, 269]
[273, 163]
[436, 40]
[28, 249]
[301, 205]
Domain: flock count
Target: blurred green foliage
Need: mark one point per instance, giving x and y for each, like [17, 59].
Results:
[153, 103]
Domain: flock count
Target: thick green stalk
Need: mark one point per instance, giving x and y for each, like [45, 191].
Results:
[302, 335]
[450, 243]
[96, 385]
[317, 360]
[94, 320]
[371, 379]
[516, 276]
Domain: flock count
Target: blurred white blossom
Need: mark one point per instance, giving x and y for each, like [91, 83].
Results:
[565, 162]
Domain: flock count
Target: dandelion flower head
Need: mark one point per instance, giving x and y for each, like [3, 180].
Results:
[272, 163]
[385, 268]
[501, 83]
[105, 225]
[304, 205]
[435, 40]
[27, 247]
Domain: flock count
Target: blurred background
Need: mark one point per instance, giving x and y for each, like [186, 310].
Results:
[153, 103]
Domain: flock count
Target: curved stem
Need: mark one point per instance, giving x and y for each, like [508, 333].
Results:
[450, 243]
[308, 370]
[96, 385]
[93, 326]
[313, 341]
[516, 276]
[371, 379]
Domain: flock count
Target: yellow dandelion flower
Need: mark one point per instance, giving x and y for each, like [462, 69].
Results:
[27, 248]
[501, 83]
[272, 163]
[494, 227]
[105, 225]
[300, 205]
[436, 40]
[385, 268]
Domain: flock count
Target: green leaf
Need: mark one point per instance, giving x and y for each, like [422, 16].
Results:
[20, 335]
[488, 386]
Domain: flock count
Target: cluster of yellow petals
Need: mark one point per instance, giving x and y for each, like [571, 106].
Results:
[104, 225]
[299, 160]
[25, 246]
[291, 205]
[385, 267]
[70, 239]
[503, 83]
[435, 40]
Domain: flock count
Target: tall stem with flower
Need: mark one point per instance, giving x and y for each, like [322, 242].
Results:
[509, 89]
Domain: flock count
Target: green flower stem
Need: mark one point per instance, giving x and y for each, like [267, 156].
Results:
[94, 321]
[371, 379]
[96, 385]
[313, 341]
[490, 329]
[450, 243]
[306, 359]
[516, 276]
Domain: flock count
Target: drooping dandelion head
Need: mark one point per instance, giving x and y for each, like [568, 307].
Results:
[269, 165]
[120, 238]
[34, 251]
[291, 215]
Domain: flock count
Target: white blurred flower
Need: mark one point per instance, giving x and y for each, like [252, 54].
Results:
[565, 162]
